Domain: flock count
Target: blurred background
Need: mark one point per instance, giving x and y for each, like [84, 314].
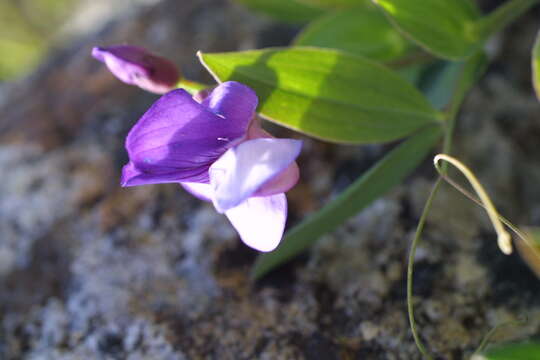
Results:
[29, 29]
[33, 28]
[90, 270]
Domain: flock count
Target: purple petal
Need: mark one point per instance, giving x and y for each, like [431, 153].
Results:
[137, 66]
[201, 191]
[131, 176]
[243, 169]
[260, 221]
[233, 101]
[178, 139]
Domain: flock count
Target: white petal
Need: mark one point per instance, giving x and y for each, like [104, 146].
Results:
[201, 191]
[260, 221]
[243, 169]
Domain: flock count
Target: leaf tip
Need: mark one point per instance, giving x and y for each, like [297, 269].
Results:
[200, 56]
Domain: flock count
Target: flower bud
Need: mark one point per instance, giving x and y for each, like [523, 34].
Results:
[137, 66]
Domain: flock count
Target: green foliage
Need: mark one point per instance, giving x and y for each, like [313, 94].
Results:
[336, 91]
[442, 80]
[298, 11]
[536, 65]
[520, 351]
[327, 94]
[472, 70]
[27, 28]
[498, 19]
[360, 30]
[377, 181]
[290, 11]
[336, 3]
[445, 28]
[438, 82]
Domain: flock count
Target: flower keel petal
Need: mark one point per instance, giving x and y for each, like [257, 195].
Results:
[281, 183]
[260, 221]
[244, 169]
[200, 191]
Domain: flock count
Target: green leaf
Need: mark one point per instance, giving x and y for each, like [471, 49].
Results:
[192, 87]
[443, 80]
[413, 73]
[447, 28]
[337, 3]
[471, 71]
[503, 15]
[361, 30]
[536, 65]
[328, 94]
[378, 180]
[290, 11]
[521, 351]
[438, 82]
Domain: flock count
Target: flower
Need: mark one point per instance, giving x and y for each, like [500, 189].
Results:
[216, 149]
[137, 66]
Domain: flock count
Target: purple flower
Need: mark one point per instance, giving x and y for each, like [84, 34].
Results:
[137, 66]
[217, 151]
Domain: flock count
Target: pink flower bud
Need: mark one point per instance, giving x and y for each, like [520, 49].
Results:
[137, 66]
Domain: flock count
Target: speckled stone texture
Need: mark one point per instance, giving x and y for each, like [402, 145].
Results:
[89, 270]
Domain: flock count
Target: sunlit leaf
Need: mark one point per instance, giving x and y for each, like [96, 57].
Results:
[336, 3]
[327, 94]
[290, 11]
[378, 180]
[361, 30]
[536, 65]
[445, 28]
[521, 351]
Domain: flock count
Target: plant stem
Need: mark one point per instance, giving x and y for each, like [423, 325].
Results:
[410, 268]
[492, 332]
[502, 16]
[503, 236]
[492, 23]
[470, 72]
[458, 97]
[457, 100]
[192, 86]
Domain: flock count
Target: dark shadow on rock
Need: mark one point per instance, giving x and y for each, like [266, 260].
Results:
[426, 275]
[283, 279]
[318, 347]
[238, 256]
[47, 275]
[512, 283]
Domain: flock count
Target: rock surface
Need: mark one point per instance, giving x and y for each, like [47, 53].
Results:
[89, 270]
